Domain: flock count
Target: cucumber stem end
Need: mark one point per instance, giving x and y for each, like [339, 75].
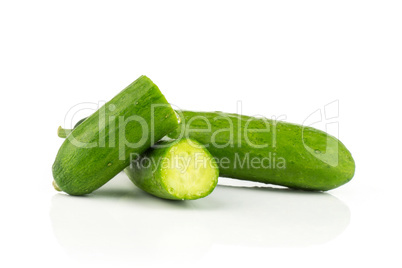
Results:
[56, 187]
[63, 133]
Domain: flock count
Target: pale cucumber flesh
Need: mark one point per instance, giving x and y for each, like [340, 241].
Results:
[181, 170]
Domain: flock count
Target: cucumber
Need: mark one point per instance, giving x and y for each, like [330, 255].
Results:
[268, 151]
[100, 147]
[79, 122]
[63, 133]
[178, 170]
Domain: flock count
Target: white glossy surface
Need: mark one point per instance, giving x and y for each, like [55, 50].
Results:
[121, 219]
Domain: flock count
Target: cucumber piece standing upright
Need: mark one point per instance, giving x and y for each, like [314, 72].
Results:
[178, 170]
[100, 147]
[268, 151]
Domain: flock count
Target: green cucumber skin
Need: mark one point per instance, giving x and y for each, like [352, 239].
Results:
[302, 169]
[149, 179]
[81, 170]
[145, 178]
[79, 122]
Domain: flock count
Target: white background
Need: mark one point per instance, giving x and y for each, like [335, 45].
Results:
[276, 57]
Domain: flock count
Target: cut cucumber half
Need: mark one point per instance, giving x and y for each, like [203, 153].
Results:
[99, 147]
[178, 170]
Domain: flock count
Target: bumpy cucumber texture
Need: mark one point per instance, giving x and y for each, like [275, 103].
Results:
[268, 151]
[100, 147]
[178, 170]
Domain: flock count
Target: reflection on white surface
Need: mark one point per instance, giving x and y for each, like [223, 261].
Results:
[119, 220]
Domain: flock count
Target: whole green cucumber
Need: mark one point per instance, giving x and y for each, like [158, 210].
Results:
[178, 170]
[100, 147]
[268, 151]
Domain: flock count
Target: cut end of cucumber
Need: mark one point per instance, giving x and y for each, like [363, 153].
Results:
[191, 172]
